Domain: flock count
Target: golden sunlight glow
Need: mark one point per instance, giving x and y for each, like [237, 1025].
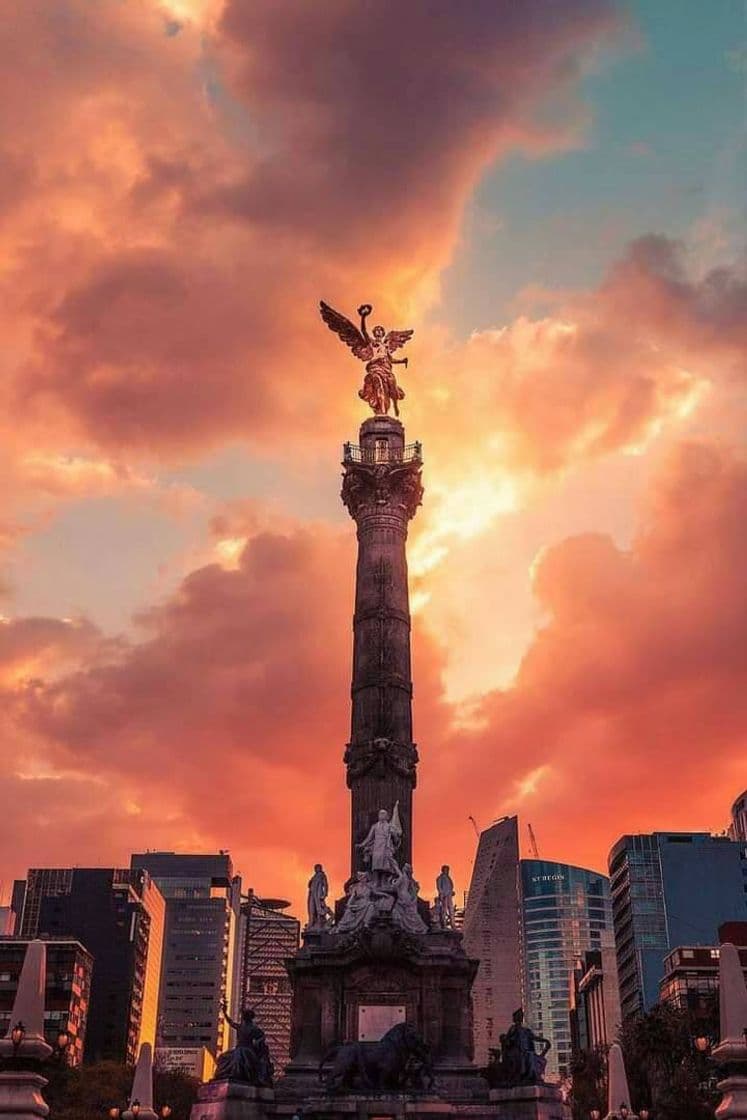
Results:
[527, 786]
[462, 512]
[229, 551]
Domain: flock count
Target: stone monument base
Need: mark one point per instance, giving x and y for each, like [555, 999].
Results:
[530, 1102]
[231, 1100]
[21, 1095]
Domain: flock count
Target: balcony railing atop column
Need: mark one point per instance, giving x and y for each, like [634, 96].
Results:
[382, 453]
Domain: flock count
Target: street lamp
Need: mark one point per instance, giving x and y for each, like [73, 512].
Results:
[644, 1114]
[624, 1111]
[701, 1044]
[595, 1114]
[165, 1111]
[115, 1112]
[135, 1108]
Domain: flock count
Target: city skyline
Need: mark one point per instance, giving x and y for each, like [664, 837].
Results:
[176, 571]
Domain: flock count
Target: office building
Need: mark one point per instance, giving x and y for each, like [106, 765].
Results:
[595, 997]
[119, 917]
[492, 933]
[267, 937]
[669, 889]
[67, 992]
[41, 883]
[691, 976]
[202, 910]
[565, 911]
[7, 921]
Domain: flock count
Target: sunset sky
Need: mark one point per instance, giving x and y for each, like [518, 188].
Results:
[551, 193]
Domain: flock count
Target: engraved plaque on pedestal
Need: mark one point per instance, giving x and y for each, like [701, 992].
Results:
[374, 1020]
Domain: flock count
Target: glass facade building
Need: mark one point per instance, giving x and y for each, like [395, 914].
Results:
[670, 889]
[202, 910]
[565, 911]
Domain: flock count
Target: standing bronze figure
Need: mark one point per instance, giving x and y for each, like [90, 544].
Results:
[380, 389]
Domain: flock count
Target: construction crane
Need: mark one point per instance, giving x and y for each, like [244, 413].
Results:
[533, 843]
[474, 825]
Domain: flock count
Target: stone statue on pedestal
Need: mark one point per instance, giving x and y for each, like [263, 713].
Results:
[249, 1062]
[445, 889]
[381, 843]
[517, 1061]
[319, 912]
[405, 912]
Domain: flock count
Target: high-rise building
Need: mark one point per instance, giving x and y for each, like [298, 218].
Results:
[119, 917]
[202, 909]
[565, 911]
[41, 883]
[67, 992]
[7, 921]
[267, 938]
[492, 933]
[595, 1000]
[738, 829]
[669, 889]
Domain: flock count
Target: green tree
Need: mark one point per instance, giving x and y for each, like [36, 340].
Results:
[665, 1071]
[589, 1082]
[89, 1092]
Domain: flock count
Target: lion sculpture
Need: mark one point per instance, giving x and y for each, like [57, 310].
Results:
[398, 1061]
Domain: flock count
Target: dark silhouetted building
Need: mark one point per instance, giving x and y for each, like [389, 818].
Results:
[492, 933]
[565, 911]
[691, 976]
[669, 889]
[202, 910]
[267, 937]
[119, 918]
[67, 994]
[595, 1002]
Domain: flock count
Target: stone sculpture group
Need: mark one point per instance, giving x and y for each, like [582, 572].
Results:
[383, 891]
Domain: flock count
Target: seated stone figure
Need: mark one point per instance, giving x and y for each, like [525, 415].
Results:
[249, 1062]
[517, 1062]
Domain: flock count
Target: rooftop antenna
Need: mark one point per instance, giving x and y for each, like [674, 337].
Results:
[533, 843]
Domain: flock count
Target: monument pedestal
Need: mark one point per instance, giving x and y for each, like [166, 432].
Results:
[230, 1100]
[529, 1102]
[425, 980]
[21, 1095]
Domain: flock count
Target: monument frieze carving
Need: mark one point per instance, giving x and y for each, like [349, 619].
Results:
[379, 756]
[367, 487]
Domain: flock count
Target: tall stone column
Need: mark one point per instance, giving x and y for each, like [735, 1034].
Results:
[382, 490]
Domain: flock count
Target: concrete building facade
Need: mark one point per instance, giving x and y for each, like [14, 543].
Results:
[267, 938]
[595, 1004]
[492, 933]
[67, 991]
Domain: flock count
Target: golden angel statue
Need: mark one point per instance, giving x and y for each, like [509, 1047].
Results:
[380, 388]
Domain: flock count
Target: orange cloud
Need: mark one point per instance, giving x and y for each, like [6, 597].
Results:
[231, 714]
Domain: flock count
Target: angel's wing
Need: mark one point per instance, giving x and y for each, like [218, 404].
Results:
[346, 330]
[395, 339]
